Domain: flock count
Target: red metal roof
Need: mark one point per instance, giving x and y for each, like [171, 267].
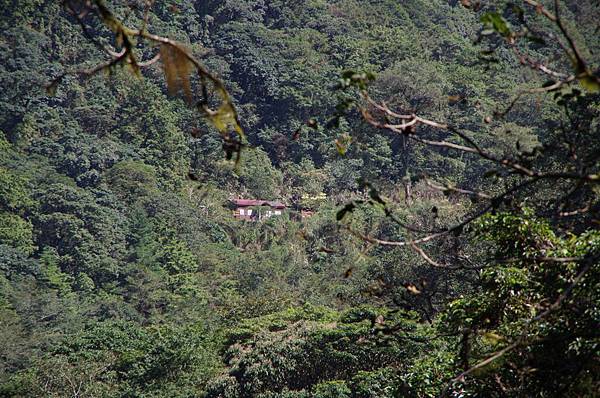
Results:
[258, 202]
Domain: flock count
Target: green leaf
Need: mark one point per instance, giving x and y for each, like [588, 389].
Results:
[375, 196]
[492, 338]
[536, 39]
[590, 84]
[495, 21]
[53, 86]
[349, 208]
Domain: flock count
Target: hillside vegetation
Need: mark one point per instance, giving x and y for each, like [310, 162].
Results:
[448, 151]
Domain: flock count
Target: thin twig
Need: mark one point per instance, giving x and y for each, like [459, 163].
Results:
[429, 260]
[540, 8]
[457, 190]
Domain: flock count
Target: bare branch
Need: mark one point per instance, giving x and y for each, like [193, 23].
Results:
[582, 66]
[540, 9]
[457, 190]
[453, 229]
[429, 260]
[472, 147]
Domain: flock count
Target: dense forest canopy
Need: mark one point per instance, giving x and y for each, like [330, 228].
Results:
[439, 165]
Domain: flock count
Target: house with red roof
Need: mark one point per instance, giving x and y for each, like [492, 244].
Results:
[256, 209]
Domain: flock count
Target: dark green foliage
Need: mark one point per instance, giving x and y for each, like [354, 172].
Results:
[123, 359]
[313, 351]
[560, 344]
[124, 274]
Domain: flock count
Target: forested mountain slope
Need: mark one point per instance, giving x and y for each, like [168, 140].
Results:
[124, 273]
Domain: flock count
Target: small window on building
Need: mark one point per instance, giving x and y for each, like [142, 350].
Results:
[249, 212]
[278, 212]
[242, 212]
